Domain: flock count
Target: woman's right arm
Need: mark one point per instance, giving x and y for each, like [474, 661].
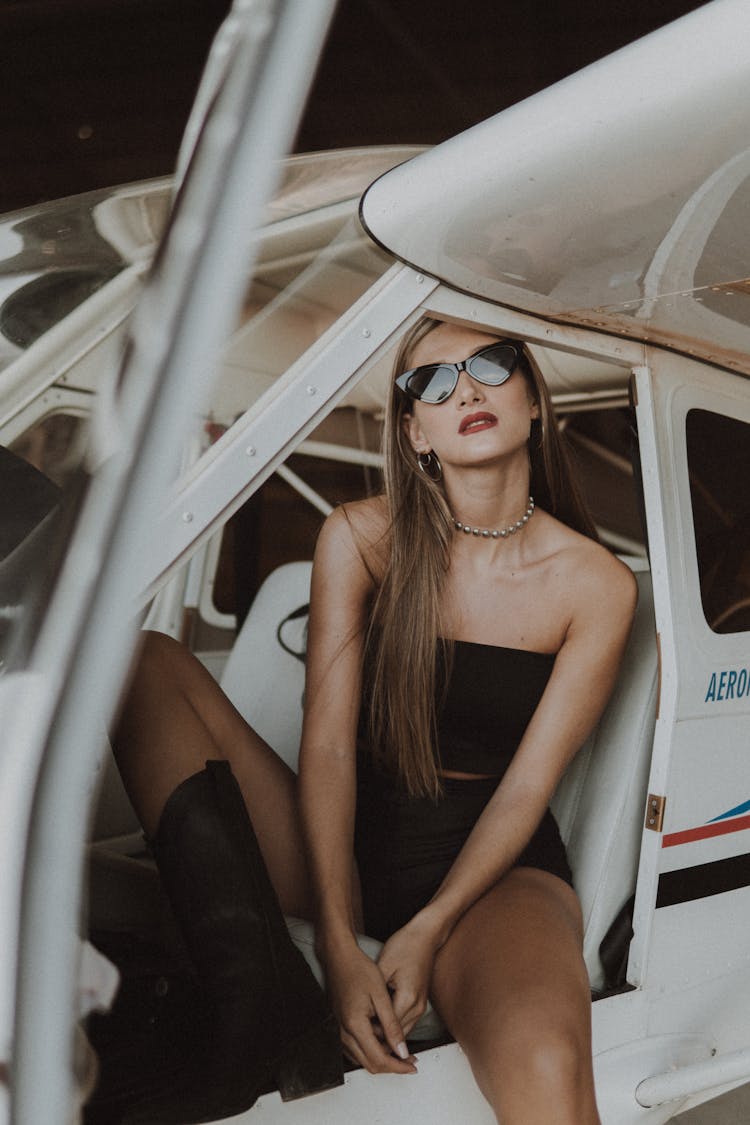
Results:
[342, 586]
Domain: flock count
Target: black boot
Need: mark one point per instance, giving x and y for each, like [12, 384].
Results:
[267, 1022]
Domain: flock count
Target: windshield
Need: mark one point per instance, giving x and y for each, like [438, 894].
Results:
[55, 256]
[310, 270]
[314, 262]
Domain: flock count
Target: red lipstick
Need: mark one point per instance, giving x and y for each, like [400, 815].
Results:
[482, 420]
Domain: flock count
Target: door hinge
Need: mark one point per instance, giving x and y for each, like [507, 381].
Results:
[655, 812]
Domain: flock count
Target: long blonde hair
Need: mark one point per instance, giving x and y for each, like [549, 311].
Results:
[405, 632]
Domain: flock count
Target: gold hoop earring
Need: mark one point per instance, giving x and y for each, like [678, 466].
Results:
[429, 464]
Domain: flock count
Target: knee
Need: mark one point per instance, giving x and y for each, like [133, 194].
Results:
[160, 666]
[159, 652]
[154, 674]
[539, 1063]
[556, 1058]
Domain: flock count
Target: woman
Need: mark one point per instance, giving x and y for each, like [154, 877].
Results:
[457, 660]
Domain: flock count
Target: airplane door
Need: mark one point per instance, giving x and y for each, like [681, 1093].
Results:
[693, 900]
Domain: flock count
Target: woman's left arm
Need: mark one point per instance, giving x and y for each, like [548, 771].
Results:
[582, 680]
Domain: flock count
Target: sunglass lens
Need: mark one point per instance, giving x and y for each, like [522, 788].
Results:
[432, 383]
[495, 364]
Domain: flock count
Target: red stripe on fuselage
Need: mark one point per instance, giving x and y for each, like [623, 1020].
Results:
[720, 828]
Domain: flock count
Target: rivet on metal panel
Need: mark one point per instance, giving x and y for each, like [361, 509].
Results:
[312, 391]
[420, 278]
[187, 517]
[366, 333]
[655, 812]
[250, 451]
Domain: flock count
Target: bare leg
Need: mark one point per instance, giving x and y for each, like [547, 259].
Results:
[194, 769]
[174, 719]
[511, 984]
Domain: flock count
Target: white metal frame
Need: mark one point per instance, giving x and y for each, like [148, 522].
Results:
[83, 650]
[53, 400]
[263, 437]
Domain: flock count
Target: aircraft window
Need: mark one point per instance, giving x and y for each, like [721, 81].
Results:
[34, 308]
[38, 513]
[54, 446]
[719, 467]
[310, 270]
[602, 443]
[277, 525]
[52, 258]
[723, 257]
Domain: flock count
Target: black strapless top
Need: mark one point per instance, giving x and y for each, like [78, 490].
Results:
[492, 695]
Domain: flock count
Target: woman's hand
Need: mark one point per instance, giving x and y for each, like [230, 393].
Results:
[406, 962]
[371, 1033]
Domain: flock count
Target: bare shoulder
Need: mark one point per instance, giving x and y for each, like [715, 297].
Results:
[598, 581]
[355, 533]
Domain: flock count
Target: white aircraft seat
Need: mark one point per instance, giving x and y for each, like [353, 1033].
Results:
[599, 804]
[265, 674]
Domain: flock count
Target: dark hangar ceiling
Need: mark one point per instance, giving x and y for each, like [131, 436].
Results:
[97, 92]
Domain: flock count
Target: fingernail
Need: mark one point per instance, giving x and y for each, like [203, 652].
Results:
[402, 1051]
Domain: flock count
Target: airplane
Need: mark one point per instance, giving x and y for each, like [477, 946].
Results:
[200, 364]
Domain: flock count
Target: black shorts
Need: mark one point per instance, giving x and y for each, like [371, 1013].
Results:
[405, 845]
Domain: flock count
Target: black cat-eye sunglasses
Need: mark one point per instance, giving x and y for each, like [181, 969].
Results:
[435, 382]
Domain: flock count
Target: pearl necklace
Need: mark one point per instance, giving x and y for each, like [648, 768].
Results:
[497, 533]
